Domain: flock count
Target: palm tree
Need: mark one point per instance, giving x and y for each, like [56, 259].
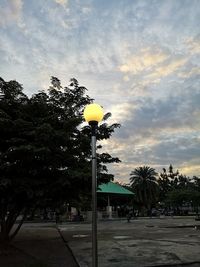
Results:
[143, 181]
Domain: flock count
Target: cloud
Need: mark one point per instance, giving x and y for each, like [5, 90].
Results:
[122, 112]
[193, 45]
[190, 168]
[149, 68]
[157, 133]
[63, 3]
[156, 152]
[146, 59]
[192, 72]
[167, 69]
[11, 13]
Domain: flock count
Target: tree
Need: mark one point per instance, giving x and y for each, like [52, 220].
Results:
[144, 184]
[177, 189]
[179, 197]
[196, 183]
[45, 153]
[167, 181]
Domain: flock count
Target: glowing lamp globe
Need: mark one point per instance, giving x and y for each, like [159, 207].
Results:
[93, 112]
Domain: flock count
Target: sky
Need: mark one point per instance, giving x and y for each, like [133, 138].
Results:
[139, 59]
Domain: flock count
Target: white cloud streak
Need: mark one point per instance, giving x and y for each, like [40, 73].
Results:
[11, 13]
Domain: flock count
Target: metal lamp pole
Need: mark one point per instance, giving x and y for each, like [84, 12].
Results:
[93, 125]
[93, 114]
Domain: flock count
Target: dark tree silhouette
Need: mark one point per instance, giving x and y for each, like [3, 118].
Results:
[144, 184]
[45, 153]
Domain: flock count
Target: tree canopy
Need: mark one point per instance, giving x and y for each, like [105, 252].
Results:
[143, 183]
[45, 151]
[170, 189]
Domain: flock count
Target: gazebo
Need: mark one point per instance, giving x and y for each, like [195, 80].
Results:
[110, 190]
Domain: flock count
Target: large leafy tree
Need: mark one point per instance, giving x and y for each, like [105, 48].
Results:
[196, 188]
[177, 189]
[185, 192]
[45, 151]
[144, 184]
[167, 181]
[180, 197]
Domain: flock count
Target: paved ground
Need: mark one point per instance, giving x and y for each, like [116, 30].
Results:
[45, 244]
[143, 242]
[38, 245]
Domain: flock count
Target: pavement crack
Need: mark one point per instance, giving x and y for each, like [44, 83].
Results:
[178, 242]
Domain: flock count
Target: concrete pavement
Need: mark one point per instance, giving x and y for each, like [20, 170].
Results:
[42, 242]
[143, 242]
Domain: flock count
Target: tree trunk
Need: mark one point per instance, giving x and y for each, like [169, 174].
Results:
[149, 209]
[7, 225]
[4, 238]
[143, 210]
[12, 236]
[3, 232]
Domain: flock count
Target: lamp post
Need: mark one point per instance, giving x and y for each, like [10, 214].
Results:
[93, 114]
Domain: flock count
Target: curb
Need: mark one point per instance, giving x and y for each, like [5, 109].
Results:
[65, 242]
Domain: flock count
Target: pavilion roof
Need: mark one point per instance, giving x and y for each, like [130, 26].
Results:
[113, 188]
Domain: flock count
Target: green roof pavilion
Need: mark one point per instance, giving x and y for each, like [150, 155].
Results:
[110, 190]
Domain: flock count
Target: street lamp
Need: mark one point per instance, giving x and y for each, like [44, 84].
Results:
[93, 114]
